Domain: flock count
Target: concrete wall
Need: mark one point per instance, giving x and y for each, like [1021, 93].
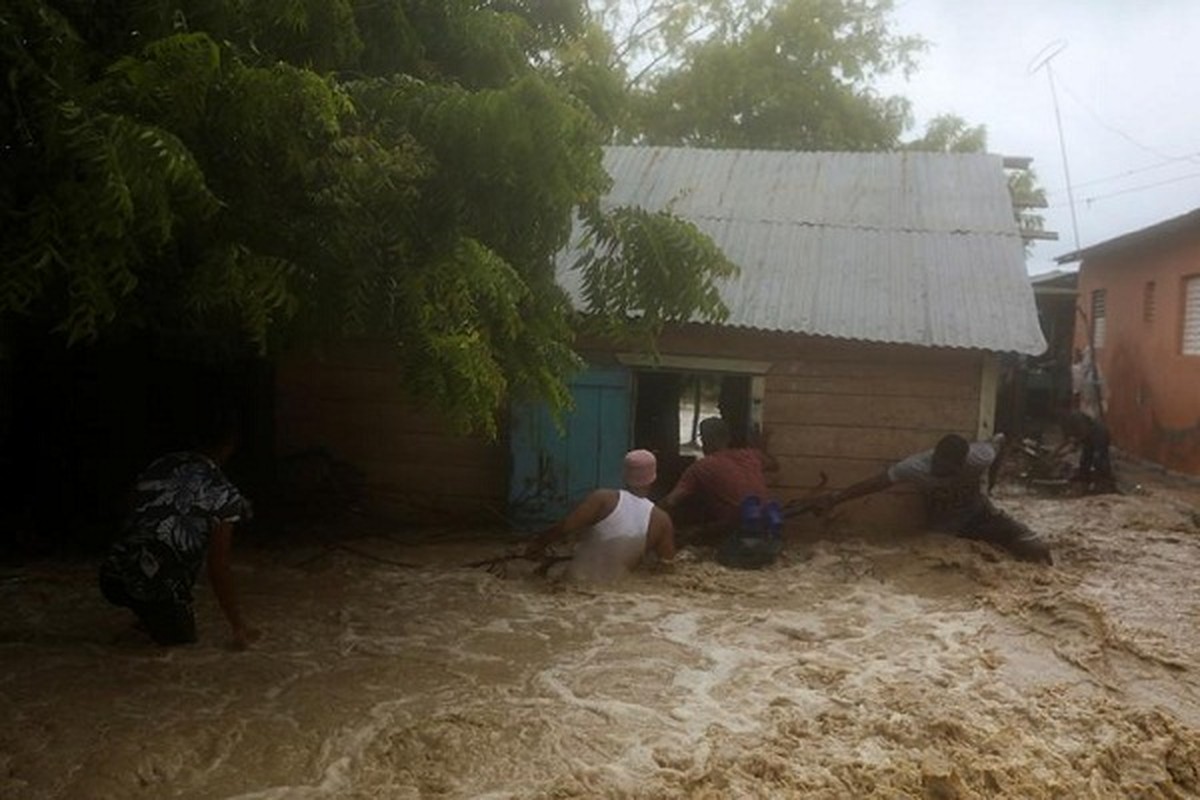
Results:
[1152, 389]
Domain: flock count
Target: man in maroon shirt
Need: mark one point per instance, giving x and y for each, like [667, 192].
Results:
[721, 479]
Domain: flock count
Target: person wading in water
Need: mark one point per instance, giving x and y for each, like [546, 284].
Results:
[616, 527]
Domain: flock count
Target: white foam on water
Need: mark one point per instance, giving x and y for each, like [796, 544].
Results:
[340, 755]
[867, 668]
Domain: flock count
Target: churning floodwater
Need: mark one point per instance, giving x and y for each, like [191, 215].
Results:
[863, 665]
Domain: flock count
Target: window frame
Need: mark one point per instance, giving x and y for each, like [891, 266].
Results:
[755, 371]
[1189, 315]
[1099, 318]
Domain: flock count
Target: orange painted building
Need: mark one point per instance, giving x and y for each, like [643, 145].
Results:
[1140, 295]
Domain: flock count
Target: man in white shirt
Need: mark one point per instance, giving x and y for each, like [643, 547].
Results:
[616, 527]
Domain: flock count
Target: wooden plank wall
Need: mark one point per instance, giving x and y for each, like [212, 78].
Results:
[851, 414]
[846, 409]
[850, 409]
[351, 400]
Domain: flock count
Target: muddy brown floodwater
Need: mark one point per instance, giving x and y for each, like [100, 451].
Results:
[863, 665]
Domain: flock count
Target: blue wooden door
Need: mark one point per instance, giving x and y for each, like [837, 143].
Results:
[553, 468]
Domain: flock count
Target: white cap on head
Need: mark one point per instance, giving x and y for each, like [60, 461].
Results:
[640, 469]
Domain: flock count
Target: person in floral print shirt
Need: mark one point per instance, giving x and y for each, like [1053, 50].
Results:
[184, 510]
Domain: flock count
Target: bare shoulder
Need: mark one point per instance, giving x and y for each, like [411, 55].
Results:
[660, 536]
[604, 498]
[591, 509]
[660, 517]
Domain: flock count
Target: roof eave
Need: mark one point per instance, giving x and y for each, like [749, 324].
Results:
[1184, 223]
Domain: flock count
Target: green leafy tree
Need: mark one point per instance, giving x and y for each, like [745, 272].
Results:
[952, 134]
[791, 74]
[230, 174]
[778, 74]
[629, 301]
[1027, 194]
[650, 37]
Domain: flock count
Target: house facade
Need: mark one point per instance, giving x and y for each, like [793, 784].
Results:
[876, 294]
[1036, 391]
[1139, 297]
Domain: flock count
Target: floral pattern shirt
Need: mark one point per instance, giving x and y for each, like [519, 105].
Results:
[178, 500]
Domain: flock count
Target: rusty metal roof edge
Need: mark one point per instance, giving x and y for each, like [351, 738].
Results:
[797, 223]
[1016, 348]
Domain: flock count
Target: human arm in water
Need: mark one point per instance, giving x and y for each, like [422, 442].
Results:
[660, 537]
[220, 575]
[684, 488]
[593, 508]
[827, 502]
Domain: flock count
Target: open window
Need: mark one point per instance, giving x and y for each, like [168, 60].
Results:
[672, 397]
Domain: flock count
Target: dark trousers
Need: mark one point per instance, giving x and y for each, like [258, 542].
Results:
[995, 527]
[1094, 461]
[167, 623]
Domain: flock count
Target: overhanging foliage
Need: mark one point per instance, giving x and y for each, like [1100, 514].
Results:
[254, 173]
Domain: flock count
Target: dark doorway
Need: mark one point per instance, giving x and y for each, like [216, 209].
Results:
[668, 408]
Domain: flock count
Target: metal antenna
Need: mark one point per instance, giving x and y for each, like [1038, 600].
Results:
[1043, 59]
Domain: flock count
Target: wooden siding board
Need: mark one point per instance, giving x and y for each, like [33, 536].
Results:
[380, 437]
[798, 475]
[885, 364]
[896, 411]
[848, 409]
[356, 391]
[850, 444]
[851, 412]
[354, 405]
[881, 386]
[433, 478]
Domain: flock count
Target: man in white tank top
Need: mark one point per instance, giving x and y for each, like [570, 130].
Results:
[616, 527]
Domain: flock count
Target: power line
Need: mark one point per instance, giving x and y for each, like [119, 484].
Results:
[1126, 173]
[1131, 189]
[1114, 129]
[1043, 61]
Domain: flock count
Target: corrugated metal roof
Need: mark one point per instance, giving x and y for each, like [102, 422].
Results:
[1153, 235]
[913, 248]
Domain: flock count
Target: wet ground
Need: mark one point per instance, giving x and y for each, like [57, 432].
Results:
[863, 665]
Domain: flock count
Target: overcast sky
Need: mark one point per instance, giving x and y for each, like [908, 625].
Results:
[1128, 84]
